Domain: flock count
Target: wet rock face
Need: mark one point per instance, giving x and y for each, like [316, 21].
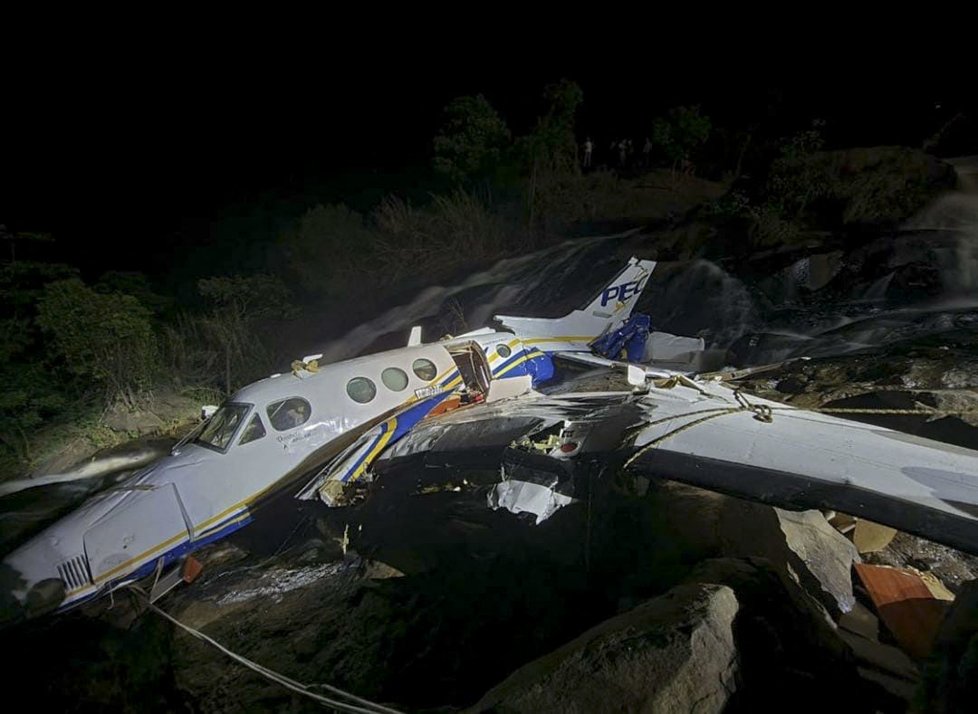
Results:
[673, 653]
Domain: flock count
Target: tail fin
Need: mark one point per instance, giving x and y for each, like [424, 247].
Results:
[574, 331]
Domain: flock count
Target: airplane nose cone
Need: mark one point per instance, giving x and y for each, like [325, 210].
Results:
[16, 605]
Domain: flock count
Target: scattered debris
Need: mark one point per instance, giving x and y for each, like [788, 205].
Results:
[275, 582]
[906, 606]
[870, 537]
[952, 567]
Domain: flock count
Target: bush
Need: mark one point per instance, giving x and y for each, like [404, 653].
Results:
[326, 249]
[472, 140]
[230, 328]
[30, 397]
[880, 185]
[451, 231]
[107, 339]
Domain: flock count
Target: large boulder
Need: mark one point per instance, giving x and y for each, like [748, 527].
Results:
[787, 645]
[671, 654]
[801, 544]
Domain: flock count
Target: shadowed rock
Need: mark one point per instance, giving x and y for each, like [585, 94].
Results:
[673, 653]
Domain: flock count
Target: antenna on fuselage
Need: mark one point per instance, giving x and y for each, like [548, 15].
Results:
[415, 338]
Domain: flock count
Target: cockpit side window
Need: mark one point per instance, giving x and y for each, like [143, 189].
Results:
[254, 431]
[221, 427]
[288, 413]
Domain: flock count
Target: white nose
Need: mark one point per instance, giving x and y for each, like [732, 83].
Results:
[18, 602]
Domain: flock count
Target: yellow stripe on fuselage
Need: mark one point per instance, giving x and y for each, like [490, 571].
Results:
[570, 338]
[202, 528]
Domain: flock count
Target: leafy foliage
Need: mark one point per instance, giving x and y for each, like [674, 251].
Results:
[30, 397]
[107, 339]
[238, 303]
[882, 185]
[22, 284]
[472, 140]
[246, 297]
[680, 133]
[549, 153]
[451, 230]
[135, 284]
[325, 249]
[552, 146]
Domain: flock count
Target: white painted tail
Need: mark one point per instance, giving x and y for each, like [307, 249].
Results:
[574, 331]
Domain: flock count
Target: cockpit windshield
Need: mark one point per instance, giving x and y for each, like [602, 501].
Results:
[222, 426]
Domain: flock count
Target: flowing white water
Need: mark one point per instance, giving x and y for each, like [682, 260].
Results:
[541, 283]
[955, 216]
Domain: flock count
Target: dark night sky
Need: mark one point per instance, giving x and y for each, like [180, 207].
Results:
[117, 146]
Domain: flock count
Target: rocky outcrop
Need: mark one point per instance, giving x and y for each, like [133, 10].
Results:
[819, 555]
[671, 654]
[787, 646]
[801, 544]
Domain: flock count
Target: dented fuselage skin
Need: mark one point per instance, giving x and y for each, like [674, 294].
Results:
[278, 429]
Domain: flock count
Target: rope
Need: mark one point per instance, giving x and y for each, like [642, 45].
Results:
[659, 439]
[928, 412]
[765, 413]
[367, 707]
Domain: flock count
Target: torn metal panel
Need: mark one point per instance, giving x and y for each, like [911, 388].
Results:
[665, 347]
[533, 483]
[527, 497]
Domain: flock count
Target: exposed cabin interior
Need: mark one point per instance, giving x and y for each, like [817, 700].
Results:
[474, 368]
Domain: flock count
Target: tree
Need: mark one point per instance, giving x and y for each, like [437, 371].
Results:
[238, 303]
[107, 339]
[472, 139]
[552, 146]
[550, 152]
[12, 238]
[326, 249]
[680, 133]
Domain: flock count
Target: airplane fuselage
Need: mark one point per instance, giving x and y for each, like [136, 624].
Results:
[210, 487]
[272, 432]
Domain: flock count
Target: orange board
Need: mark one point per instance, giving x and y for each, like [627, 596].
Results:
[905, 605]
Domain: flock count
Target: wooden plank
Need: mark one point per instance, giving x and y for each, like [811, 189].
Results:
[905, 605]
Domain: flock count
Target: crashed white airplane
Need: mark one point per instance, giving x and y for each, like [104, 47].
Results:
[475, 390]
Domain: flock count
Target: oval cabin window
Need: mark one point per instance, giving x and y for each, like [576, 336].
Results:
[504, 351]
[288, 413]
[394, 379]
[361, 389]
[425, 369]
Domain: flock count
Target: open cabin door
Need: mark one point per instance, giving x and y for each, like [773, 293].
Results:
[473, 366]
